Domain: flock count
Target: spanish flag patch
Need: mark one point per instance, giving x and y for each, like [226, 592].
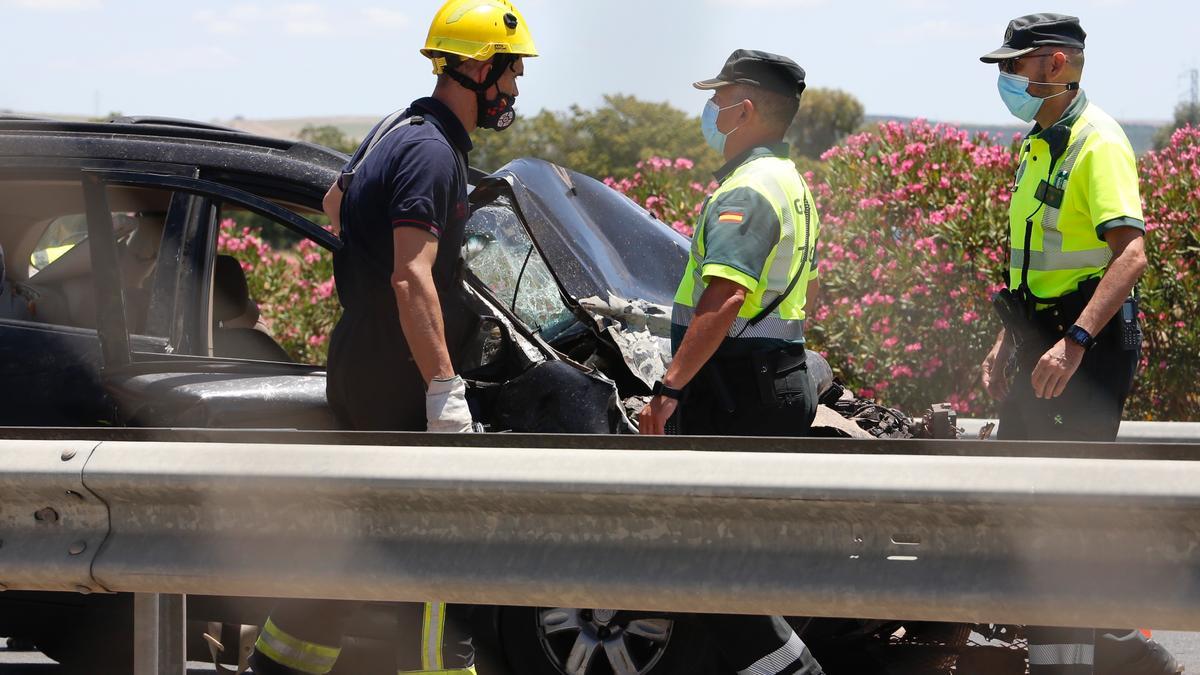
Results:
[730, 217]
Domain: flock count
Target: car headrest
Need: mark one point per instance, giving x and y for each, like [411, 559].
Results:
[230, 292]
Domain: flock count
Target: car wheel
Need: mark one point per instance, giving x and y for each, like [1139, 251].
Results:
[566, 641]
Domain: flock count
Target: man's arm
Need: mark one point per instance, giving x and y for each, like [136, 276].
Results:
[1059, 364]
[715, 313]
[994, 380]
[414, 251]
[1128, 263]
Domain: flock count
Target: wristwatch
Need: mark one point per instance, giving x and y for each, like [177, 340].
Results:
[1080, 336]
[661, 389]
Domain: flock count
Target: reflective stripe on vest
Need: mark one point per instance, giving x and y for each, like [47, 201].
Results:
[763, 176]
[433, 630]
[288, 650]
[770, 327]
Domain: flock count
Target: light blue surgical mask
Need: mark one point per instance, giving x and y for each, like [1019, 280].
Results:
[1014, 91]
[708, 125]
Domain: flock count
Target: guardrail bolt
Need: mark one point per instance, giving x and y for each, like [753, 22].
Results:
[83, 590]
[46, 515]
[68, 455]
[77, 548]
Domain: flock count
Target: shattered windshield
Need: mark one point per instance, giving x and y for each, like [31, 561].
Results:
[500, 253]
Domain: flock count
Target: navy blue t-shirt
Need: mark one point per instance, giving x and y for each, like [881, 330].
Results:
[415, 177]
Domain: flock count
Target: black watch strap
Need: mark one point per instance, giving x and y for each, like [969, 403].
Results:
[661, 389]
[1079, 335]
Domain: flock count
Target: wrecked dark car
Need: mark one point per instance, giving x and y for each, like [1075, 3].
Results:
[116, 310]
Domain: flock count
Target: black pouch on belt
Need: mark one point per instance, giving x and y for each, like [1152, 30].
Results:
[771, 371]
[1012, 314]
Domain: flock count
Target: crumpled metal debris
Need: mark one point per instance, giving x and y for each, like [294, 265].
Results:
[641, 331]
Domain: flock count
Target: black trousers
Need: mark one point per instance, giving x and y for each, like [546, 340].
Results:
[765, 394]
[1088, 410]
[1090, 407]
[374, 383]
[768, 394]
[324, 622]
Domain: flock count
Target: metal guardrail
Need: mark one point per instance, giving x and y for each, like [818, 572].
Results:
[1130, 431]
[1056, 541]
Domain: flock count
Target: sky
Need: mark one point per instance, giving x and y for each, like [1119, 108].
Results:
[218, 59]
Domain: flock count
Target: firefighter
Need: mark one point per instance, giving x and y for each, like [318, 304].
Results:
[400, 206]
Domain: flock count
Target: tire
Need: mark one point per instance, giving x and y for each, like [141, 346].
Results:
[541, 641]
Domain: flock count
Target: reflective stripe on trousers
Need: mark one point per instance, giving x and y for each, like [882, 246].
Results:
[433, 629]
[297, 654]
[779, 660]
[1062, 655]
[1061, 651]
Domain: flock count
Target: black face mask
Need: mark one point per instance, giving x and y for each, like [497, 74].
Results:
[495, 113]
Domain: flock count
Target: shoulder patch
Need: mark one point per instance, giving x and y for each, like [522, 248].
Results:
[731, 217]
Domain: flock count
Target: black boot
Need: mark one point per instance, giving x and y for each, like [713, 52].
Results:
[1121, 652]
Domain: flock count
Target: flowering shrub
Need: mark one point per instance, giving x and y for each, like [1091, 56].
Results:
[913, 244]
[293, 288]
[669, 189]
[1167, 383]
[913, 228]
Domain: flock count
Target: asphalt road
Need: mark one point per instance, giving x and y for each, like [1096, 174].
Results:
[1185, 647]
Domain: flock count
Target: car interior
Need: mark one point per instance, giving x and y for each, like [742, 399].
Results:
[47, 274]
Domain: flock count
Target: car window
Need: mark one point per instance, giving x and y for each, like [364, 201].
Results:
[500, 253]
[278, 303]
[55, 283]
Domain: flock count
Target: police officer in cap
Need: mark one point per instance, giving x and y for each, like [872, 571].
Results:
[1070, 343]
[401, 206]
[738, 319]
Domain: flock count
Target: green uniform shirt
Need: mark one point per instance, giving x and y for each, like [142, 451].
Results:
[1076, 181]
[758, 230]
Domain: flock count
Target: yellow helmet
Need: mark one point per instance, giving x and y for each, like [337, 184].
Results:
[477, 29]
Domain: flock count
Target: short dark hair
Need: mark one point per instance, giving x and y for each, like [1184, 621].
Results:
[1074, 57]
[778, 110]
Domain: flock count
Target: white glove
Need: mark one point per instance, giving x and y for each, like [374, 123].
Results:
[446, 408]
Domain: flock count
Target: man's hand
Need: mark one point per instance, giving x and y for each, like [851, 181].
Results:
[446, 409]
[332, 206]
[1055, 368]
[653, 419]
[995, 379]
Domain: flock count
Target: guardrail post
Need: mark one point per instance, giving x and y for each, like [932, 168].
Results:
[159, 644]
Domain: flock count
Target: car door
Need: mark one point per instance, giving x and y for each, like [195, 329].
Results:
[201, 382]
[51, 352]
